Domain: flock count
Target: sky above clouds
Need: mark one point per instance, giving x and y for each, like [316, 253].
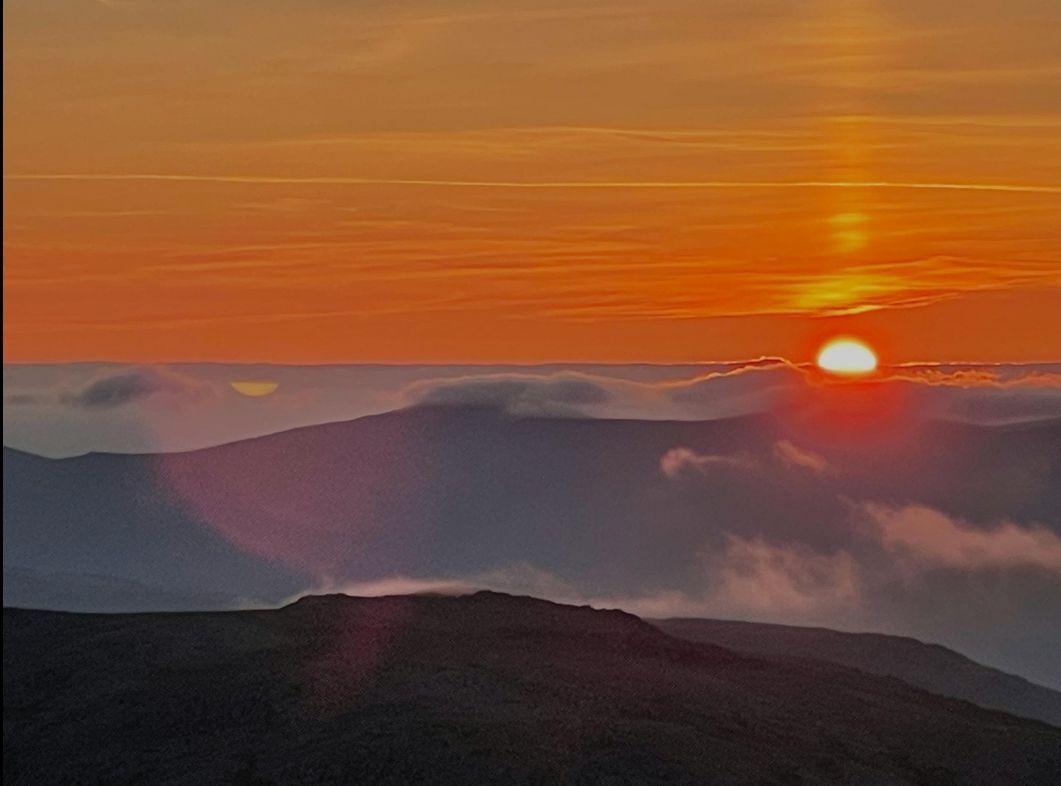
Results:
[522, 181]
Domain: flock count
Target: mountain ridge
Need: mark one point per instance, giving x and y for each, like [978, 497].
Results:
[766, 418]
[476, 688]
[927, 665]
[462, 493]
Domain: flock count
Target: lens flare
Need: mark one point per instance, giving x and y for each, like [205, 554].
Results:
[847, 356]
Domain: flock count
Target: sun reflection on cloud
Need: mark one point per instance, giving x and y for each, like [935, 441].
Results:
[848, 293]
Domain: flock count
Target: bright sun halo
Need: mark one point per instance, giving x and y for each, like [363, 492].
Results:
[847, 356]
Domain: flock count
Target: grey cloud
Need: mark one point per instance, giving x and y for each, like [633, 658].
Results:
[995, 405]
[519, 394]
[24, 399]
[740, 390]
[124, 387]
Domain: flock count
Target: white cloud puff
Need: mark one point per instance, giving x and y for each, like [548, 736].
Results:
[678, 461]
[756, 576]
[792, 454]
[933, 538]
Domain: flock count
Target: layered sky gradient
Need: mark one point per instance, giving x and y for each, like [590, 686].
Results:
[529, 181]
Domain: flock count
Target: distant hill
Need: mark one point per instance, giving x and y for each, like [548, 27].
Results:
[454, 492]
[479, 689]
[80, 592]
[929, 666]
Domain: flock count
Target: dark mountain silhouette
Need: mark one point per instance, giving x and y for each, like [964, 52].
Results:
[442, 492]
[482, 688]
[929, 666]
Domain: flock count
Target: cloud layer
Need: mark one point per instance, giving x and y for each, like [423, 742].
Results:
[61, 410]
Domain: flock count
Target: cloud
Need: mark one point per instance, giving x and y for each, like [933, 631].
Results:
[989, 395]
[121, 388]
[391, 585]
[519, 579]
[755, 576]
[761, 579]
[56, 410]
[800, 457]
[25, 399]
[734, 389]
[680, 460]
[998, 376]
[677, 461]
[551, 185]
[744, 389]
[932, 538]
[746, 577]
[518, 394]
[993, 405]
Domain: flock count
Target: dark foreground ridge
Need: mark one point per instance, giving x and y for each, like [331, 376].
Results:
[481, 688]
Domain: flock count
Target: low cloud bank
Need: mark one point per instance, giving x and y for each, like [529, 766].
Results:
[519, 394]
[115, 389]
[118, 389]
[744, 577]
[980, 395]
[768, 579]
[69, 410]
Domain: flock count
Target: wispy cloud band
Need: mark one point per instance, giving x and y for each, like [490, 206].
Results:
[1019, 188]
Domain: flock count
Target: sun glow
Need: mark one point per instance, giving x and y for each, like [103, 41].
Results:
[847, 356]
[255, 388]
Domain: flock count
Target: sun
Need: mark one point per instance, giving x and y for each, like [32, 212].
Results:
[255, 388]
[847, 356]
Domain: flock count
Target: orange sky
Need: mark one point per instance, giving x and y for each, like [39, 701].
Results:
[514, 181]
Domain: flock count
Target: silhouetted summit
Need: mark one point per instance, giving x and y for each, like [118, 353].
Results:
[482, 613]
[481, 688]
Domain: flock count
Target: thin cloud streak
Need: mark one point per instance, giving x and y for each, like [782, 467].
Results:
[556, 184]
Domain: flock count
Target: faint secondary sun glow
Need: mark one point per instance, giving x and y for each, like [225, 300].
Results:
[254, 387]
[848, 231]
[847, 356]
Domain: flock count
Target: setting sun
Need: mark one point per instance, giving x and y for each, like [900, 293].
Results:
[255, 388]
[847, 356]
